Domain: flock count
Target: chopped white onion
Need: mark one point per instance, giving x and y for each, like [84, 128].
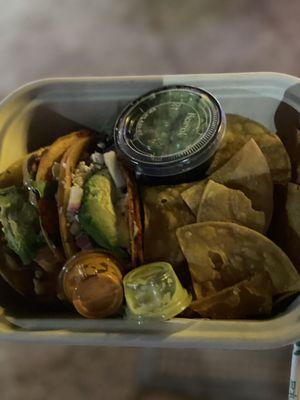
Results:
[76, 194]
[111, 162]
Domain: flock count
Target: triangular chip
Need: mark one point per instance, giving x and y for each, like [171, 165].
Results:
[240, 130]
[247, 171]
[219, 203]
[249, 298]
[164, 212]
[222, 254]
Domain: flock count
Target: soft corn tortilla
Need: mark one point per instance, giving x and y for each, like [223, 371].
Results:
[68, 165]
[223, 254]
[220, 203]
[55, 152]
[47, 204]
[164, 212]
[249, 298]
[134, 220]
[247, 171]
[239, 131]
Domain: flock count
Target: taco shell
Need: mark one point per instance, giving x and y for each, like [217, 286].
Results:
[68, 165]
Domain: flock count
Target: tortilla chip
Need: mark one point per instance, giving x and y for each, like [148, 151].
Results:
[164, 212]
[219, 203]
[222, 254]
[246, 171]
[249, 298]
[292, 237]
[67, 167]
[239, 131]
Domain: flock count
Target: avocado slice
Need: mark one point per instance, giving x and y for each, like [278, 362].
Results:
[98, 215]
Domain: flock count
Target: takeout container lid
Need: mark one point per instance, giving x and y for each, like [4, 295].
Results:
[71, 103]
[192, 124]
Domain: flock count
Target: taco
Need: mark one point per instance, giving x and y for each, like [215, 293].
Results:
[26, 261]
[98, 203]
[31, 251]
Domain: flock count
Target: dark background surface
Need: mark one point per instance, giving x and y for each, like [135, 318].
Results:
[126, 37]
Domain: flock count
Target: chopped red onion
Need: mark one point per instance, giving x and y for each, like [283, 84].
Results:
[83, 241]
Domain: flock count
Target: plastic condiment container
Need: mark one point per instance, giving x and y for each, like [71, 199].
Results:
[92, 281]
[154, 291]
[170, 134]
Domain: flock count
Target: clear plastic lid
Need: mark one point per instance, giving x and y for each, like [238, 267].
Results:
[154, 291]
[170, 130]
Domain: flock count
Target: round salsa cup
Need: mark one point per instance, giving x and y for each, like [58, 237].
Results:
[170, 134]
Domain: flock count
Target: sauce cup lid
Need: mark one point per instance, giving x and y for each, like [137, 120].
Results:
[170, 130]
[153, 291]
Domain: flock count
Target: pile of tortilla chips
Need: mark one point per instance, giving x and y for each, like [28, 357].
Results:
[221, 226]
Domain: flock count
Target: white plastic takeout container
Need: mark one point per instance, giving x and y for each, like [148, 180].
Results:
[37, 113]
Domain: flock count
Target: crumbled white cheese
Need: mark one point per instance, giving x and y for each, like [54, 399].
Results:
[81, 173]
[97, 158]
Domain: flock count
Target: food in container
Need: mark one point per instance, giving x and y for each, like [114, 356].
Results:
[99, 209]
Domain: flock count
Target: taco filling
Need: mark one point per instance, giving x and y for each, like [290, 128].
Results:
[93, 194]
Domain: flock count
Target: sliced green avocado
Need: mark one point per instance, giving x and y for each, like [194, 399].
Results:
[97, 214]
